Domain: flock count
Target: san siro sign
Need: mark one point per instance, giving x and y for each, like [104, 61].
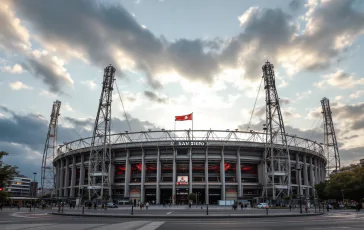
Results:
[188, 143]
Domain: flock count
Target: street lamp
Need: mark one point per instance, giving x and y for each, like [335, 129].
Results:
[299, 185]
[34, 190]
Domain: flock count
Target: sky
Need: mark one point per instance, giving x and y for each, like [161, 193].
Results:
[177, 57]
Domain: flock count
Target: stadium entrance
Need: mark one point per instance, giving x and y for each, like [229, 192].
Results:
[166, 196]
[182, 196]
[200, 196]
[214, 196]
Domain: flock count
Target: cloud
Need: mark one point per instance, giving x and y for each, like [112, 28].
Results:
[129, 46]
[90, 84]
[303, 95]
[295, 4]
[24, 135]
[48, 68]
[18, 85]
[16, 69]
[267, 34]
[68, 107]
[47, 94]
[339, 79]
[357, 94]
[154, 97]
[14, 37]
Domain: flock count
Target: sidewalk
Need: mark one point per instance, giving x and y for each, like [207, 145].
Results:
[186, 215]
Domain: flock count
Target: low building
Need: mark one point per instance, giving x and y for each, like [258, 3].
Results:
[18, 186]
[362, 162]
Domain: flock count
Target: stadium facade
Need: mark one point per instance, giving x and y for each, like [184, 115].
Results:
[165, 166]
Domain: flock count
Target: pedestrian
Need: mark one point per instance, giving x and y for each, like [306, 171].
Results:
[1, 206]
[290, 207]
[59, 207]
[146, 205]
[306, 208]
[95, 206]
[328, 207]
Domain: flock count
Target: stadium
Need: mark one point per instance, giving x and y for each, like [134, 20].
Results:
[165, 166]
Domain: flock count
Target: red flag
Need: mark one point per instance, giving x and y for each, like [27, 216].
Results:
[184, 117]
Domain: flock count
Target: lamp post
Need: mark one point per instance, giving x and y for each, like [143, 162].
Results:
[34, 190]
[299, 186]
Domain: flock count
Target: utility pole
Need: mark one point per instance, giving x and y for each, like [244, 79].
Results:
[299, 186]
[330, 143]
[47, 170]
[100, 154]
[277, 181]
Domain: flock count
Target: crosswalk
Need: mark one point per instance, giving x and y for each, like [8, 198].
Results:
[129, 225]
[345, 215]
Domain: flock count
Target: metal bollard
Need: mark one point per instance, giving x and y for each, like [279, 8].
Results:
[266, 210]
[207, 209]
[83, 210]
[132, 210]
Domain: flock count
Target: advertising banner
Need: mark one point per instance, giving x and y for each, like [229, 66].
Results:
[182, 180]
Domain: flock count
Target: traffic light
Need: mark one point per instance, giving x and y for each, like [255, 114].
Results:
[1, 189]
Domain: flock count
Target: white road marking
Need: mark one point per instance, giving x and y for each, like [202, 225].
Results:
[152, 226]
[124, 225]
[169, 213]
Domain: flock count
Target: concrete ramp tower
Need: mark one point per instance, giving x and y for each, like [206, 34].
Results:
[277, 181]
[330, 144]
[47, 170]
[99, 185]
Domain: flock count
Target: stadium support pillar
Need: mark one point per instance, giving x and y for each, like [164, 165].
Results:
[305, 176]
[297, 172]
[66, 178]
[174, 177]
[61, 179]
[82, 176]
[207, 177]
[111, 178]
[127, 174]
[73, 177]
[158, 190]
[316, 172]
[190, 172]
[142, 192]
[58, 177]
[238, 174]
[321, 171]
[311, 172]
[222, 175]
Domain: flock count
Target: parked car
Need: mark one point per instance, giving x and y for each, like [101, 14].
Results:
[262, 205]
[111, 205]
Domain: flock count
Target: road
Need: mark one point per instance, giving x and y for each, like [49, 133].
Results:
[14, 220]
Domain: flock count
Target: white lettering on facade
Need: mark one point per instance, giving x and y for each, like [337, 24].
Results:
[188, 143]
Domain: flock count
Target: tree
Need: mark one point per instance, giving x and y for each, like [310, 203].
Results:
[192, 196]
[3, 196]
[348, 185]
[6, 171]
[321, 190]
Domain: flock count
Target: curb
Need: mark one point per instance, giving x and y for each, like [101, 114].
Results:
[185, 217]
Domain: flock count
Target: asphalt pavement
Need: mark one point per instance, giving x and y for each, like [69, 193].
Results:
[39, 219]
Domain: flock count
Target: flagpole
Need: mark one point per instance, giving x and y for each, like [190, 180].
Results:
[192, 126]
